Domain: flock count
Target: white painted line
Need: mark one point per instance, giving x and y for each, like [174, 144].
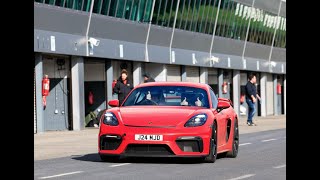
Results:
[243, 144]
[119, 164]
[268, 140]
[281, 166]
[58, 175]
[242, 177]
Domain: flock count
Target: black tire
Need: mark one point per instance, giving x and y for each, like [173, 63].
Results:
[109, 158]
[211, 158]
[235, 142]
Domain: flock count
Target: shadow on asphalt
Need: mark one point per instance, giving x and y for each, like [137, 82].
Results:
[154, 160]
[94, 157]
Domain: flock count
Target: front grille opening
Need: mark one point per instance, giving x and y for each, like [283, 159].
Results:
[109, 143]
[148, 149]
[190, 145]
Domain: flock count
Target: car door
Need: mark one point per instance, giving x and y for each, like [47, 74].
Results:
[222, 124]
[221, 117]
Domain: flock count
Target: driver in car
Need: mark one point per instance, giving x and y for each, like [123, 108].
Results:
[153, 98]
[156, 97]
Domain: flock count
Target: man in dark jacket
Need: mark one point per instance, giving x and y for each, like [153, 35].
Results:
[251, 97]
[148, 78]
[123, 86]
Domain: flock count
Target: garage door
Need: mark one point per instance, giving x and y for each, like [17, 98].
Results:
[193, 74]
[212, 76]
[156, 71]
[173, 73]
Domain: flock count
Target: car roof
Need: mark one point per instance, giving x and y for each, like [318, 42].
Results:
[166, 83]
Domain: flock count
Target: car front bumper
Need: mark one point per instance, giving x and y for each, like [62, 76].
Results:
[183, 142]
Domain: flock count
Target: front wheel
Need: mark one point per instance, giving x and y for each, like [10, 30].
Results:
[211, 158]
[235, 144]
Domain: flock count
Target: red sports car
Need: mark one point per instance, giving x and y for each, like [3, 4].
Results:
[169, 119]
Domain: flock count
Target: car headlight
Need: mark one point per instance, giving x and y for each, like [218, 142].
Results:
[197, 120]
[110, 119]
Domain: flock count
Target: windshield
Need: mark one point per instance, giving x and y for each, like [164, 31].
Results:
[168, 96]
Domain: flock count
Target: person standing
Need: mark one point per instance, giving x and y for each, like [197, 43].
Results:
[148, 78]
[123, 86]
[251, 98]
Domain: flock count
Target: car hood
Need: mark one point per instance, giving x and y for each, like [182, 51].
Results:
[151, 116]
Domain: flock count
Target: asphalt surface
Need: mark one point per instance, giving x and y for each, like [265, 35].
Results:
[262, 156]
[56, 144]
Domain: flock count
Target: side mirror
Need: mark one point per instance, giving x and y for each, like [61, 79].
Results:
[226, 100]
[113, 103]
[223, 104]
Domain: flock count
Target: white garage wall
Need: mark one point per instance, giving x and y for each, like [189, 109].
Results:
[50, 67]
[270, 109]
